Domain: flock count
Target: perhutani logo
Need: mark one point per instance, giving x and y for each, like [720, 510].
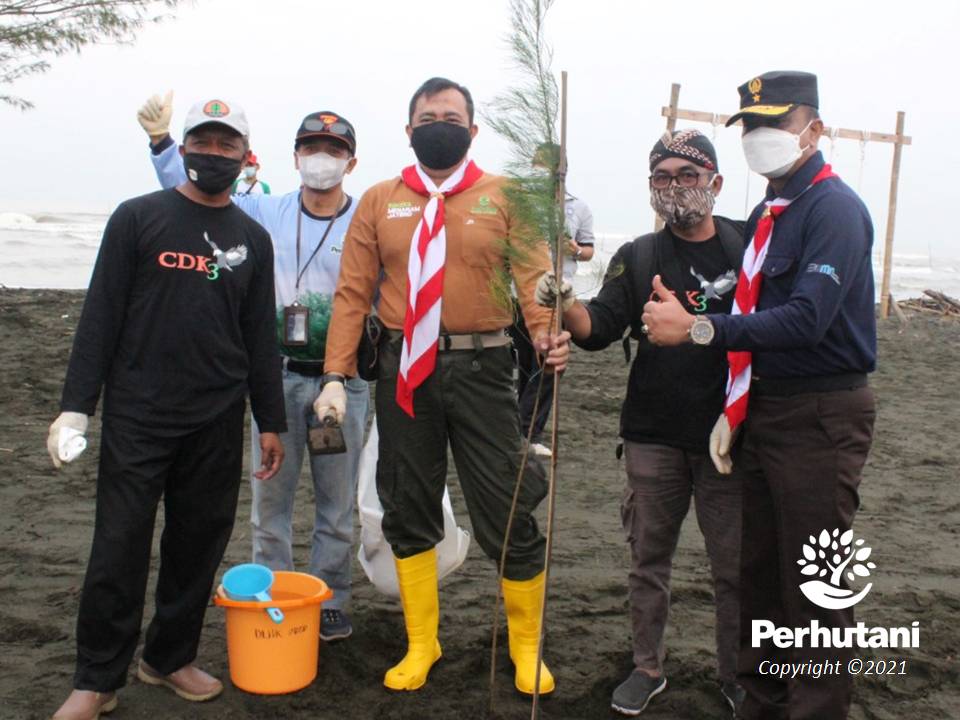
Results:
[828, 556]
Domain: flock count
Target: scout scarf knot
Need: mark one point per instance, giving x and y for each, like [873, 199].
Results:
[745, 300]
[428, 254]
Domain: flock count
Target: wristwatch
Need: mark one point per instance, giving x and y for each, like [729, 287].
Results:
[702, 331]
[331, 377]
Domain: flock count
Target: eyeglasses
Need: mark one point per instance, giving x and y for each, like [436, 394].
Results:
[684, 178]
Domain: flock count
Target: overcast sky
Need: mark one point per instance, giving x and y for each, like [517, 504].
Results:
[81, 148]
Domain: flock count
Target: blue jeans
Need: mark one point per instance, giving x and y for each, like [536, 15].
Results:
[334, 487]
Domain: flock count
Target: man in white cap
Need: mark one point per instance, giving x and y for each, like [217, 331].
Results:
[307, 227]
[177, 328]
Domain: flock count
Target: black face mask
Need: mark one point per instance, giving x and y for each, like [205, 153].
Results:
[212, 174]
[440, 145]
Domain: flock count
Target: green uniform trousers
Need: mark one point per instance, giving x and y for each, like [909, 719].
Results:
[468, 401]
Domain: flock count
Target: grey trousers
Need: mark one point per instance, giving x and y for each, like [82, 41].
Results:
[660, 482]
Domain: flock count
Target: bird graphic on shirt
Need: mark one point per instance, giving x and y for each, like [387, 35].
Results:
[229, 259]
[719, 287]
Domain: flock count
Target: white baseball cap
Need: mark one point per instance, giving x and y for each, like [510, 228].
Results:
[217, 111]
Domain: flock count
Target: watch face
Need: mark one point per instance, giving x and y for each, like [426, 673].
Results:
[701, 332]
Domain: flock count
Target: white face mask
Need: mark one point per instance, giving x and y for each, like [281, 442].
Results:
[772, 152]
[249, 172]
[321, 171]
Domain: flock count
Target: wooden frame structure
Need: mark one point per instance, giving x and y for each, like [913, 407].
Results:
[673, 112]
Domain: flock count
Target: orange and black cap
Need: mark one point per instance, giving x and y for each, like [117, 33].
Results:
[327, 124]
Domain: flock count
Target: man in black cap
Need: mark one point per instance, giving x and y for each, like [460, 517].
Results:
[673, 397]
[307, 227]
[802, 339]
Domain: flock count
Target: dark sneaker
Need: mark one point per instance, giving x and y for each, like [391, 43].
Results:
[633, 694]
[335, 625]
[734, 695]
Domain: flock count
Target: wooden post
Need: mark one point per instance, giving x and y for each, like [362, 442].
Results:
[671, 126]
[891, 220]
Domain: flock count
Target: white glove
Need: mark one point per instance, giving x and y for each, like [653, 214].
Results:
[66, 439]
[332, 401]
[721, 440]
[546, 292]
[155, 115]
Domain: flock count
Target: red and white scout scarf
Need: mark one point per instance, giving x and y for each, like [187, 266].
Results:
[745, 300]
[428, 254]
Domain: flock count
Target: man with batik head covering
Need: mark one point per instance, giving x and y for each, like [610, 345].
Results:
[673, 396]
[798, 418]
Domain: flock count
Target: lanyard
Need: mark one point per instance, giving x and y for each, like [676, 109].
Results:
[301, 271]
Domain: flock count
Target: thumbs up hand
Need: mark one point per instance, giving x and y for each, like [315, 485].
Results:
[154, 117]
[665, 321]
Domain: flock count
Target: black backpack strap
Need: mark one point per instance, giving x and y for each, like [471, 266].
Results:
[732, 239]
[643, 260]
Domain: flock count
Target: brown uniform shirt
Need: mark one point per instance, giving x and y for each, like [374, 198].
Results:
[480, 235]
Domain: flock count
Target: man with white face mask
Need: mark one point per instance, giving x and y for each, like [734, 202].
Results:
[801, 341]
[307, 227]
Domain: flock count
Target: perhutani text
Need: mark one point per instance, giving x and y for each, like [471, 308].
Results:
[817, 636]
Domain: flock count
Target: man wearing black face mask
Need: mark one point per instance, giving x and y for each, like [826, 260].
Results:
[177, 328]
[802, 340]
[443, 229]
[308, 227]
[673, 397]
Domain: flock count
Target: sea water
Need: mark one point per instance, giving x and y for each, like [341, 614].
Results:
[58, 250]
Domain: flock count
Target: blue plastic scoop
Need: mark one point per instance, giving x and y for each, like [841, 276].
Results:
[251, 582]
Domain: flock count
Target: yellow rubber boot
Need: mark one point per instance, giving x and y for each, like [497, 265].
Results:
[417, 577]
[523, 600]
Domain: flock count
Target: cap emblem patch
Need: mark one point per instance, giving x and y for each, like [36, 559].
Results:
[216, 109]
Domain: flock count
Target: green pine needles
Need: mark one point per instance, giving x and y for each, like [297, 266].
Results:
[525, 115]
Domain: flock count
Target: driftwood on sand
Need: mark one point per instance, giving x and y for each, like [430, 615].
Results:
[935, 303]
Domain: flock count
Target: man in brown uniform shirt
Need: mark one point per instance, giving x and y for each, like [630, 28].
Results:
[467, 397]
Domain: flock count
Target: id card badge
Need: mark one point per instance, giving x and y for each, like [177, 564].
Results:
[296, 320]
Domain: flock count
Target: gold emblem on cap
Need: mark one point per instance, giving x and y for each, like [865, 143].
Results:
[754, 87]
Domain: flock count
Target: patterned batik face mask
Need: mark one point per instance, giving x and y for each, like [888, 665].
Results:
[681, 207]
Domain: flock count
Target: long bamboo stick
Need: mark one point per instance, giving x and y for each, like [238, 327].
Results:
[555, 409]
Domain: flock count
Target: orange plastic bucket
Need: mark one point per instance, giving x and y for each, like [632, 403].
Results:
[269, 658]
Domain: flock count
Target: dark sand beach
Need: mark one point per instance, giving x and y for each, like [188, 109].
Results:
[910, 515]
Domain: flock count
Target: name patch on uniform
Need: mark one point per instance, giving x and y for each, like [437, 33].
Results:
[404, 209]
[828, 270]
